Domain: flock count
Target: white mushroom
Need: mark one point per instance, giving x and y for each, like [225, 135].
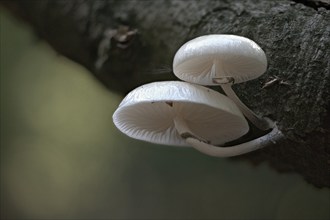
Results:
[181, 114]
[222, 60]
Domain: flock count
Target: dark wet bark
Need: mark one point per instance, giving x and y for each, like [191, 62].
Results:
[127, 43]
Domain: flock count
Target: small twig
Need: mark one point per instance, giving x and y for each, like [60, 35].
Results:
[275, 80]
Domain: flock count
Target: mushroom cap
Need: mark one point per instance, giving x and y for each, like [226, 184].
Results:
[219, 55]
[147, 113]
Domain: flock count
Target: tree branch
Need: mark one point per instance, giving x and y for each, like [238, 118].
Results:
[128, 43]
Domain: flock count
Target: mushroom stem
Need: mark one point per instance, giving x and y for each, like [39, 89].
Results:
[259, 122]
[184, 130]
[271, 138]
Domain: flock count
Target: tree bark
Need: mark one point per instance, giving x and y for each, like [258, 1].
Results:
[128, 43]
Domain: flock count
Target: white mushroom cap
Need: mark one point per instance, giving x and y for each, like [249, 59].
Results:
[219, 55]
[147, 113]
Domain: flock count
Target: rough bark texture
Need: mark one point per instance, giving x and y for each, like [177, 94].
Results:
[295, 37]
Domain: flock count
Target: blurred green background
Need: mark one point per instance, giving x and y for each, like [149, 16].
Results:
[62, 157]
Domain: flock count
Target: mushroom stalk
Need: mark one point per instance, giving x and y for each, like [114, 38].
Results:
[203, 146]
[211, 150]
[184, 130]
[259, 122]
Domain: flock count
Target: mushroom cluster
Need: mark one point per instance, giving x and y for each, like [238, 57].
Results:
[189, 114]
